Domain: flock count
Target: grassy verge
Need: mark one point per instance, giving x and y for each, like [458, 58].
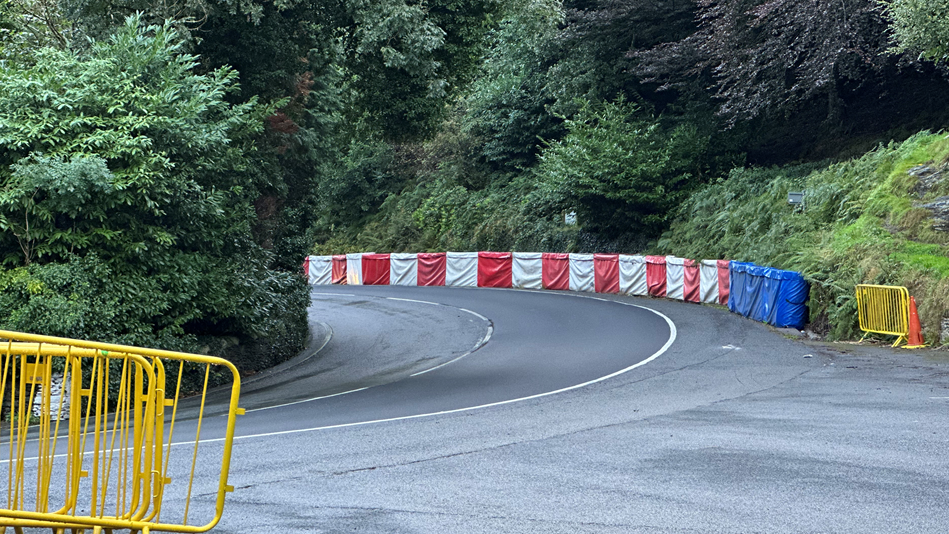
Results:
[860, 223]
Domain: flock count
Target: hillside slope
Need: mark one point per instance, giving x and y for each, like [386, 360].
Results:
[882, 218]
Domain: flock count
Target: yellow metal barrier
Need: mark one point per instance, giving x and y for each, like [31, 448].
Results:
[883, 310]
[87, 437]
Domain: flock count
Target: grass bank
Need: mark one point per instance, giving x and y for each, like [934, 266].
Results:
[862, 221]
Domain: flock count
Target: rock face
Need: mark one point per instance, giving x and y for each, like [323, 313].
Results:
[930, 177]
[940, 209]
[944, 335]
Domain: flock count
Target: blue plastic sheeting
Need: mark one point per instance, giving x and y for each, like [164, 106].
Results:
[736, 296]
[754, 280]
[771, 296]
[792, 300]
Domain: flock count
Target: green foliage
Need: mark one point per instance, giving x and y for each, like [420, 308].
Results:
[855, 227]
[174, 150]
[920, 26]
[506, 106]
[923, 256]
[623, 169]
[126, 199]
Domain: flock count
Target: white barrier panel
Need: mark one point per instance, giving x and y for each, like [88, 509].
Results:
[708, 281]
[632, 275]
[403, 269]
[582, 275]
[675, 274]
[354, 269]
[461, 269]
[527, 270]
[320, 271]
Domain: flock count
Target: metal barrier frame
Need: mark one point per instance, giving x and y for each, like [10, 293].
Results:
[145, 407]
[883, 310]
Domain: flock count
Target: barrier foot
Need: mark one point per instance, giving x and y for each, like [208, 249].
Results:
[897, 342]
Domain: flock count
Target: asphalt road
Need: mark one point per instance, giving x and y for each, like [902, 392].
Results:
[729, 428]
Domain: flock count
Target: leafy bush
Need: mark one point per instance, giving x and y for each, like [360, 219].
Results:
[625, 172]
[127, 207]
[920, 26]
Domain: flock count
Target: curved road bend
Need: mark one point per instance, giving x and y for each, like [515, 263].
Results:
[394, 355]
[733, 429]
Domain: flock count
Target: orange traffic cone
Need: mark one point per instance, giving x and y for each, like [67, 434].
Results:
[915, 339]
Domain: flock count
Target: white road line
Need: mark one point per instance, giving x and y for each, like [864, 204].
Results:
[673, 333]
[478, 345]
[672, 337]
[483, 342]
[417, 301]
[305, 400]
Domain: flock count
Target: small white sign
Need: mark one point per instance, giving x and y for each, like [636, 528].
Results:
[570, 219]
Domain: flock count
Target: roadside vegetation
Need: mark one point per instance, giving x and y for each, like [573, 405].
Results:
[861, 221]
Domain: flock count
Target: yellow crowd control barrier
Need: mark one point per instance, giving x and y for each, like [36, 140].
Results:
[883, 310]
[88, 430]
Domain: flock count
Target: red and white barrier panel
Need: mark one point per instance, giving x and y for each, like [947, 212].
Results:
[556, 268]
[606, 273]
[724, 283]
[461, 269]
[527, 270]
[675, 277]
[375, 269]
[432, 269]
[708, 281]
[354, 269]
[403, 269]
[656, 275]
[495, 269]
[632, 275]
[660, 276]
[581, 272]
[339, 268]
[319, 270]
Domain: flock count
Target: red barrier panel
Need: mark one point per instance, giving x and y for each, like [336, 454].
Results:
[494, 269]
[606, 272]
[375, 269]
[723, 269]
[556, 271]
[691, 282]
[656, 275]
[431, 269]
[339, 269]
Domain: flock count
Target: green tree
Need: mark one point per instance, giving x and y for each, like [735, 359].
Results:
[920, 26]
[125, 152]
[624, 171]
[174, 150]
[507, 106]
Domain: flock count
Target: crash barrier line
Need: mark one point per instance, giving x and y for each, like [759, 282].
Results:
[764, 294]
[883, 310]
[86, 429]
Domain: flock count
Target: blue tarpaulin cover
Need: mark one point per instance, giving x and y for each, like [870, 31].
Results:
[772, 296]
[754, 279]
[792, 300]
